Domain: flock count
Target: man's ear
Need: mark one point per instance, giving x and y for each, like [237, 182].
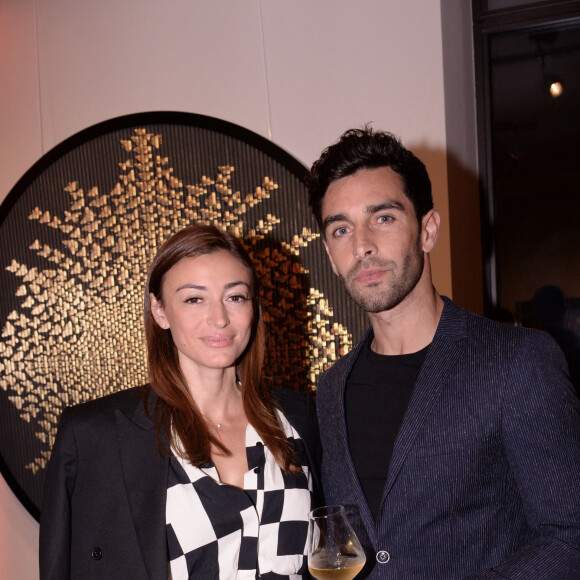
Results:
[430, 230]
[330, 258]
[158, 312]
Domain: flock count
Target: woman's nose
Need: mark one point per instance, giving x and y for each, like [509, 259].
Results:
[218, 315]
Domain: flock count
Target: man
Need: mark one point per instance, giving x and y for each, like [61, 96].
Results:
[452, 441]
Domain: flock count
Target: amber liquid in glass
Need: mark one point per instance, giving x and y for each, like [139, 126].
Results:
[337, 568]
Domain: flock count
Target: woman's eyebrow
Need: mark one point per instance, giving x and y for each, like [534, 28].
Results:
[201, 287]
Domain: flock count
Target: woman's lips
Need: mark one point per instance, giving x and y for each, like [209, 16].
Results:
[217, 341]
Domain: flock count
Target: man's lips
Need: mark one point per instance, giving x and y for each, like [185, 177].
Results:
[368, 276]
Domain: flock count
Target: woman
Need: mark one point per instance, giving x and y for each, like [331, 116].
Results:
[203, 473]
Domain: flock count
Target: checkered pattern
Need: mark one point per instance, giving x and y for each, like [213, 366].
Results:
[219, 531]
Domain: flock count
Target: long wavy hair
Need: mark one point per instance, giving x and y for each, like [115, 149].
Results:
[179, 424]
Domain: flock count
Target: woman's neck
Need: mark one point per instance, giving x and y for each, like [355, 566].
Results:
[217, 394]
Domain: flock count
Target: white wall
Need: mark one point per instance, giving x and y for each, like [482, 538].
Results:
[298, 72]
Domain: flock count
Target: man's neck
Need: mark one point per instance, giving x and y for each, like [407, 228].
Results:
[409, 326]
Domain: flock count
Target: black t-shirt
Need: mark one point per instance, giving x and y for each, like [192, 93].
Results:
[378, 391]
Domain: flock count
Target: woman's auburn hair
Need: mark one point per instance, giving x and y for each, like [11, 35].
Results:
[179, 425]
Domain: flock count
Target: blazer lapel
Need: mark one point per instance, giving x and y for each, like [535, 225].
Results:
[145, 474]
[447, 346]
[339, 411]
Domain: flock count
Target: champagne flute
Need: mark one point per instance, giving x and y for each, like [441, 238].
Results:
[333, 548]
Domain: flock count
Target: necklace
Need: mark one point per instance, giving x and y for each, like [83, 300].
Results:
[239, 385]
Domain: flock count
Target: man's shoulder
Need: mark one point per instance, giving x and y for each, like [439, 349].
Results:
[454, 314]
[487, 334]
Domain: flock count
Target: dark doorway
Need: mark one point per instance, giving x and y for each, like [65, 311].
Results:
[528, 87]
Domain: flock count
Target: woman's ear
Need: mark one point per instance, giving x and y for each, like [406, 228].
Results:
[158, 312]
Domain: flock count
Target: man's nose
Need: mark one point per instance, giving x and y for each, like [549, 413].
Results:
[364, 244]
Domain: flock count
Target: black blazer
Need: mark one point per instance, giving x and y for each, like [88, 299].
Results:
[103, 513]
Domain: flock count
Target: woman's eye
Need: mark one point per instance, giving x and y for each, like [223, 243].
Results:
[238, 298]
[193, 300]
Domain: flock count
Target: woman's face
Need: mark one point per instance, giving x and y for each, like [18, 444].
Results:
[207, 305]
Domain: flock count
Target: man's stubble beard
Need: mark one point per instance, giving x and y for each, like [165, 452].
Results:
[380, 297]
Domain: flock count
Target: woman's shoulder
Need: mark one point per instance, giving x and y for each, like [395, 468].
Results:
[93, 424]
[125, 400]
[293, 402]
[298, 408]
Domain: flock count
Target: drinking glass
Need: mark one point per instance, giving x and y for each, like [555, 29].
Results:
[333, 548]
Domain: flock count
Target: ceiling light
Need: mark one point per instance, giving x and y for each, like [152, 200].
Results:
[555, 88]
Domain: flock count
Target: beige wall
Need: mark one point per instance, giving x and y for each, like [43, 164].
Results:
[465, 256]
[298, 73]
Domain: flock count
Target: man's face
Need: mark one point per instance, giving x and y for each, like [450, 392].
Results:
[372, 238]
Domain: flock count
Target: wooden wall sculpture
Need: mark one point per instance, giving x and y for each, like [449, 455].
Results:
[77, 234]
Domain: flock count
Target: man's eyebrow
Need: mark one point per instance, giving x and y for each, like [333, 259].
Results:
[369, 209]
[331, 219]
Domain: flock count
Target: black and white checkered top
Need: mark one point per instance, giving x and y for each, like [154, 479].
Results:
[219, 531]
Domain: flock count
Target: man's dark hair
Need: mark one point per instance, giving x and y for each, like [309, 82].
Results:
[368, 149]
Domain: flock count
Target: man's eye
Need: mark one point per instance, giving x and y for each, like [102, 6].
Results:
[341, 231]
[385, 218]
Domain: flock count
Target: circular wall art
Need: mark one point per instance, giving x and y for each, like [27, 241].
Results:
[77, 234]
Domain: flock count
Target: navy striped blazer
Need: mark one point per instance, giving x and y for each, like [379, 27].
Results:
[484, 481]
